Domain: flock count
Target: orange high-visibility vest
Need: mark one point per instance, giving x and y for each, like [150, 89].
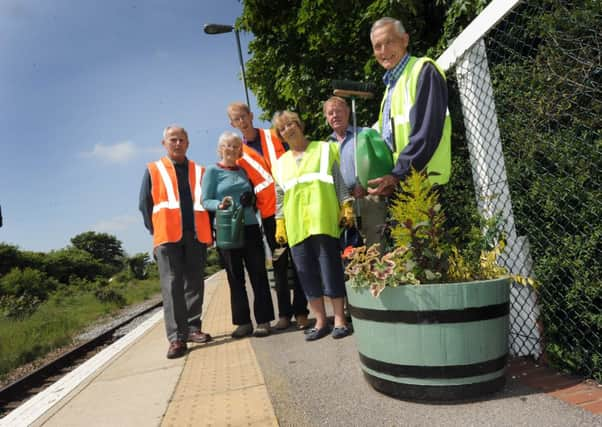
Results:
[271, 146]
[263, 184]
[167, 217]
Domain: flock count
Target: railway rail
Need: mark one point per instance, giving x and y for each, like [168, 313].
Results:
[17, 392]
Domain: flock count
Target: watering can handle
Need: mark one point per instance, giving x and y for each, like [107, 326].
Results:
[226, 203]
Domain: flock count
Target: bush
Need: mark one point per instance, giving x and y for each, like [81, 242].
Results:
[138, 265]
[13, 307]
[65, 263]
[27, 283]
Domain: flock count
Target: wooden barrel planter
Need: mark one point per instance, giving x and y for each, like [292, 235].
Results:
[435, 342]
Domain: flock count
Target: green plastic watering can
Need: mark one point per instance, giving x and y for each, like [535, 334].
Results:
[373, 157]
[230, 227]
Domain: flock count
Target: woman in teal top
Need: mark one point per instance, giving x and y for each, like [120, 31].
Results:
[223, 184]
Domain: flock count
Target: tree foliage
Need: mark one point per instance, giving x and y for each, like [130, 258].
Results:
[102, 246]
[68, 263]
[138, 265]
[301, 46]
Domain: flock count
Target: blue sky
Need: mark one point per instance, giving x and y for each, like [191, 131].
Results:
[87, 87]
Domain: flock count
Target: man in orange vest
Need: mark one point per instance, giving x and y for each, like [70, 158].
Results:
[170, 202]
[261, 149]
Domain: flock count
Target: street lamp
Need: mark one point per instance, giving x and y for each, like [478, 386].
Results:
[221, 29]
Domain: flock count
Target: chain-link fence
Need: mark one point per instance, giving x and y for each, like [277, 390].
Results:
[527, 105]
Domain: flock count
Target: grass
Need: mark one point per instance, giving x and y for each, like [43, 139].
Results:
[62, 317]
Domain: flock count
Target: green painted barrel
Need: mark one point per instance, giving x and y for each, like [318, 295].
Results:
[435, 342]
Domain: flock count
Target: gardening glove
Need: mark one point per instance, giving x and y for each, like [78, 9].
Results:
[347, 214]
[280, 232]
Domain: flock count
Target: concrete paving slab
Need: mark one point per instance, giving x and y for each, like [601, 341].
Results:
[134, 391]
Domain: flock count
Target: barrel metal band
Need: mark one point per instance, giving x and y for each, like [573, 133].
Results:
[446, 371]
[470, 314]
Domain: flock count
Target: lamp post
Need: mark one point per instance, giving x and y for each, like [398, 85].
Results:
[220, 29]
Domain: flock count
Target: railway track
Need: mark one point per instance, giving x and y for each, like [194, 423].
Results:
[20, 390]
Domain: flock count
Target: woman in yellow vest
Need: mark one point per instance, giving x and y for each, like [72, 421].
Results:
[311, 198]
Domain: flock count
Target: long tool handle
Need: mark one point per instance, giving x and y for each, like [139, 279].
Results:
[353, 114]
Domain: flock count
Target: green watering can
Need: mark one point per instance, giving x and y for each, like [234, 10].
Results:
[230, 227]
[373, 157]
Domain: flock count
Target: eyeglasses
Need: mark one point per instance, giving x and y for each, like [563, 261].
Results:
[240, 118]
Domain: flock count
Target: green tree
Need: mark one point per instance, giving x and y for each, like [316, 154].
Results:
[102, 246]
[10, 257]
[138, 265]
[64, 264]
[27, 282]
[301, 46]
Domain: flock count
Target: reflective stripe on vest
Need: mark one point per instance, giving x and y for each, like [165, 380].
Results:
[271, 146]
[263, 182]
[172, 202]
[323, 174]
[197, 193]
[267, 178]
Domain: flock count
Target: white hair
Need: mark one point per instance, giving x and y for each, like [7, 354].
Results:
[170, 127]
[225, 137]
[399, 28]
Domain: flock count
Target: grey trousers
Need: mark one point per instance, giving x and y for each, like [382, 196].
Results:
[373, 211]
[181, 266]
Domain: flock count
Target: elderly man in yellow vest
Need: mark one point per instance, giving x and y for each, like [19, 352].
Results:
[170, 202]
[414, 119]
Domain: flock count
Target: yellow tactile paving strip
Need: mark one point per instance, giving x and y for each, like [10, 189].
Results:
[221, 384]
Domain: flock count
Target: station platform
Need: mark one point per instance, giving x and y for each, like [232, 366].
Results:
[276, 380]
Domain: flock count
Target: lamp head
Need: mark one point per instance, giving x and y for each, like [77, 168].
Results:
[217, 28]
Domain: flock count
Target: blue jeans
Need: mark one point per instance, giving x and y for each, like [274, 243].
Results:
[319, 266]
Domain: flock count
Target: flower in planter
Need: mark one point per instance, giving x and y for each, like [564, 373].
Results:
[420, 250]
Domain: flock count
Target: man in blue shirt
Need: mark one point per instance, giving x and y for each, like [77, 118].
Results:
[420, 130]
[371, 209]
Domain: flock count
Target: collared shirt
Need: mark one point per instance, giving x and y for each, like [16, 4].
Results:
[347, 151]
[255, 144]
[390, 79]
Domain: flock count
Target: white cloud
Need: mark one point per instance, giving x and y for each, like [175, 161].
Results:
[115, 224]
[120, 152]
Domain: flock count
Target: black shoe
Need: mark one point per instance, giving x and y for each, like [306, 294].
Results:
[243, 331]
[262, 330]
[176, 349]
